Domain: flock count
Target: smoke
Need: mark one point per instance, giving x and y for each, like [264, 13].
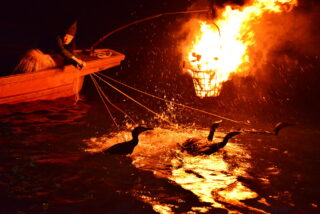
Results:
[284, 59]
[284, 36]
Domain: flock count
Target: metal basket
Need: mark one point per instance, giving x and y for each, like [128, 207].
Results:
[205, 84]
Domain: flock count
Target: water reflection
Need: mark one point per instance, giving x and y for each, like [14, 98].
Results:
[214, 179]
[44, 168]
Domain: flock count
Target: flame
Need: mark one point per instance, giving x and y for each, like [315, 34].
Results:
[219, 49]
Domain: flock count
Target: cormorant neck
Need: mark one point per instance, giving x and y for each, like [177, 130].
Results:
[226, 139]
[211, 133]
[135, 136]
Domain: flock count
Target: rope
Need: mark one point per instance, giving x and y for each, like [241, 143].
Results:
[143, 20]
[178, 104]
[95, 84]
[148, 109]
[109, 101]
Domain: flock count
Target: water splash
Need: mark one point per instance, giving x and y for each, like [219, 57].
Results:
[213, 179]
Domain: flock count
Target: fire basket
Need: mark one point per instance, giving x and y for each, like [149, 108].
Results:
[205, 83]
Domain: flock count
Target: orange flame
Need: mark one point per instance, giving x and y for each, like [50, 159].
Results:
[215, 52]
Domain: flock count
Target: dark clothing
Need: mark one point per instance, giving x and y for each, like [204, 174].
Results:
[61, 53]
[65, 51]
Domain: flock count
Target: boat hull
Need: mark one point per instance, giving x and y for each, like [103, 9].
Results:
[54, 83]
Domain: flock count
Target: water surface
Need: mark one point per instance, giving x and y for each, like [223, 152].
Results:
[52, 163]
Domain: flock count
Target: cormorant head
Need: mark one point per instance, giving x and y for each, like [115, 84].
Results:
[136, 131]
[215, 125]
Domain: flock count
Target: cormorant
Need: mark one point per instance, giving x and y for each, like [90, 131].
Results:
[276, 130]
[280, 126]
[193, 143]
[196, 146]
[208, 149]
[126, 148]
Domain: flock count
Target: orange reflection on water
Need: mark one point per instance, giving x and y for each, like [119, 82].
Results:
[213, 179]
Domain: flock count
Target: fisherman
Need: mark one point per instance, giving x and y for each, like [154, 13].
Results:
[65, 47]
[59, 54]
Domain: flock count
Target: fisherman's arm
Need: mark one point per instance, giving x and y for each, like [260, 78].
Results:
[68, 54]
[80, 62]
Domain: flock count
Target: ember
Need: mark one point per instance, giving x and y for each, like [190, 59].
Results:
[214, 51]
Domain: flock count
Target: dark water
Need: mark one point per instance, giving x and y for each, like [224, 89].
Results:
[51, 162]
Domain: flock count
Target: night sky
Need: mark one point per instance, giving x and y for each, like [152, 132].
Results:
[37, 18]
[24, 23]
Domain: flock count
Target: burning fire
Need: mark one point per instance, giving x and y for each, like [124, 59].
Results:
[218, 50]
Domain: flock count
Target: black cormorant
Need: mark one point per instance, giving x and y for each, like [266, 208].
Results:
[206, 149]
[195, 146]
[193, 143]
[276, 130]
[126, 148]
[280, 126]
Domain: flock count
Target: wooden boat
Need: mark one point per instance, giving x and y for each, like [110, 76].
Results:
[55, 83]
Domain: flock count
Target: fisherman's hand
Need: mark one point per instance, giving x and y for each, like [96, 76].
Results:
[84, 64]
[81, 64]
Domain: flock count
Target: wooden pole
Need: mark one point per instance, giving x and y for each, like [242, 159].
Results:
[143, 20]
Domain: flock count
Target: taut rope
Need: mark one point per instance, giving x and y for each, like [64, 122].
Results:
[137, 102]
[175, 103]
[104, 102]
[109, 101]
